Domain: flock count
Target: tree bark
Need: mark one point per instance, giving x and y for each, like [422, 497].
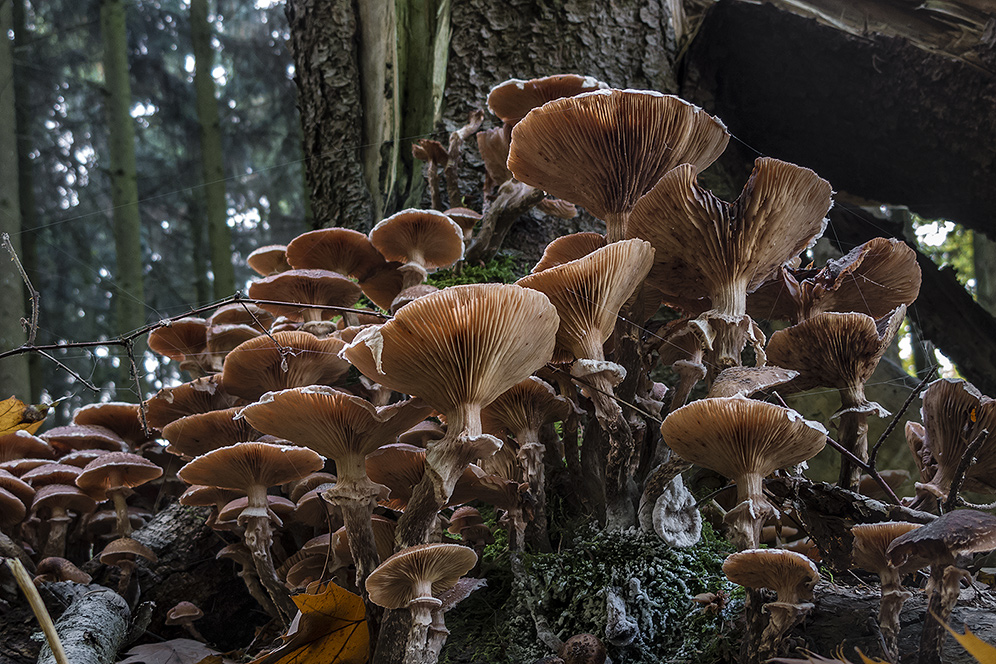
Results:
[212, 159]
[94, 626]
[128, 281]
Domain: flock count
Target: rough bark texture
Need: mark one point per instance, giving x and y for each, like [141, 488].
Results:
[212, 160]
[327, 76]
[92, 628]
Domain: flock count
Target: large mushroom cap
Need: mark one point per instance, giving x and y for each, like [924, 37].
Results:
[318, 287]
[603, 150]
[460, 345]
[790, 574]
[341, 250]
[407, 575]
[280, 361]
[961, 532]
[247, 464]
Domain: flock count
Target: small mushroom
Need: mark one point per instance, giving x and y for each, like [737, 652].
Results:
[184, 614]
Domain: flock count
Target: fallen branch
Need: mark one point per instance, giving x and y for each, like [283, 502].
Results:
[93, 628]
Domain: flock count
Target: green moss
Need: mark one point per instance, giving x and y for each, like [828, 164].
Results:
[656, 581]
[502, 269]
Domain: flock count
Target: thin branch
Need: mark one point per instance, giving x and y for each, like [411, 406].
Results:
[867, 468]
[31, 327]
[873, 457]
[588, 385]
[87, 384]
[966, 462]
[130, 349]
[283, 350]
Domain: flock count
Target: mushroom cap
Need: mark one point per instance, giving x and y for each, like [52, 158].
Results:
[423, 432]
[588, 293]
[80, 458]
[465, 218]
[21, 444]
[198, 434]
[956, 533]
[383, 284]
[745, 381]
[16, 486]
[12, 509]
[426, 237]
[514, 98]
[736, 436]
[341, 250]
[309, 482]
[180, 339]
[222, 339]
[242, 313]
[335, 424]
[125, 550]
[411, 294]
[567, 248]
[396, 582]
[706, 245]
[460, 345]
[790, 574]
[52, 473]
[321, 287]
[197, 396]
[245, 465]
[258, 366]
[527, 405]
[183, 612]
[114, 471]
[400, 467]
[84, 436]
[583, 649]
[493, 146]
[277, 506]
[124, 419]
[872, 540]
[59, 569]
[205, 496]
[603, 150]
[61, 496]
[833, 349]
[268, 260]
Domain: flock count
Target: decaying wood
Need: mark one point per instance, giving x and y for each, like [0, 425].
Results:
[94, 626]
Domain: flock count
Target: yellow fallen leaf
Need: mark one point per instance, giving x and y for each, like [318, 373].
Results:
[976, 647]
[330, 628]
[15, 415]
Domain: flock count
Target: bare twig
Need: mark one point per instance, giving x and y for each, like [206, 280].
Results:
[873, 457]
[87, 384]
[130, 349]
[966, 462]
[283, 350]
[31, 327]
[867, 468]
[38, 607]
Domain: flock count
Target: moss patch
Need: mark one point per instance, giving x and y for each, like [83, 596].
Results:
[502, 269]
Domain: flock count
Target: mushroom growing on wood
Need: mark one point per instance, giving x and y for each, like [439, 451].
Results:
[114, 474]
[422, 240]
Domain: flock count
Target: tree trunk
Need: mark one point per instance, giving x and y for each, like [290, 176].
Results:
[14, 375]
[129, 292]
[212, 160]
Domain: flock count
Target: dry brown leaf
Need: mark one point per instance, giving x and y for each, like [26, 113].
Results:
[16, 415]
[330, 628]
[176, 651]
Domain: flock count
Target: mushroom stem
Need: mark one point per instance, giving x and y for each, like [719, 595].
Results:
[121, 511]
[258, 537]
[531, 453]
[943, 588]
[783, 617]
[747, 519]
[852, 433]
[58, 526]
[690, 372]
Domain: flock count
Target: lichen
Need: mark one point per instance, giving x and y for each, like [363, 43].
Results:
[568, 588]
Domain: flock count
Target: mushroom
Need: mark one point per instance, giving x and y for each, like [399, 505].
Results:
[744, 440]
[184, 614]
[315, 287]
[21, 444]
[940, 544]
[414, 578]
[198, 396]
[114, 474]
[54, 569]
[123, 553]
[56, 503]
[184, 341]
[198, 434]
[514, 98]
[791, 575]
[422, 240]
[871, 541]
[280, 361]
[271, 259]
[567, 248]
[122, 418]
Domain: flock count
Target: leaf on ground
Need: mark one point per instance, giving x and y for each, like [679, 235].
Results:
[330, 628]
[176, 651]
[976, 647]
[15, 415]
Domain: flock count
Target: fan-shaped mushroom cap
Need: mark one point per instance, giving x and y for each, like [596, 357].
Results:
[465, 218]
[341, 250]
[115, 471]
[84, 436]
[744, 440]
[514, 98]
[745, 381]
[526, 406]
[588, 293]
[184, 341]
[314, 510]
[320, 287]
[872, 540]
[838, 350]
[791, 575]
[198, 434]
[19, 467]
[246, 465]
[940, 542]
[80, 458]
[423, 240]
[722, 251]
[20, 444]
[873, 278]
[567, 248]
[460, 345]
[259, 366]
[198, 396]
[603, 150]
[414, 576]
[123, 419]
[268, 260]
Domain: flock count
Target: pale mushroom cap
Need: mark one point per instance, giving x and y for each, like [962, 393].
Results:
[258, 366]
[321, 287]
[736, 436]
[341, 250]
[180, 339]
[251, 464]
[705, 245]
[116, 470]
[790, 574]
[197, 396]
[393, 584]
[872, 540]
[460, 345]
[335, 424]
[268, 260]
[588, 293]
[512, 99]
[603, 150]
[567, 248]
[198, 434]
[427, 237]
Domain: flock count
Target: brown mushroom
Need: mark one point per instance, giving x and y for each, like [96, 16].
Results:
[184, 614]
